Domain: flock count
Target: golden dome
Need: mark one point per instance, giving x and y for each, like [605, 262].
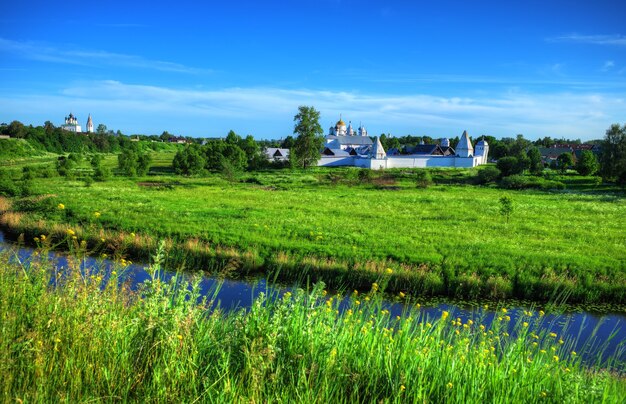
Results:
[340, 123]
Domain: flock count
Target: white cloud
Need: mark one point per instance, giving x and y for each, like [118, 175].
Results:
[268, 112]
[617, 39]
[45, 53]
[608, 65]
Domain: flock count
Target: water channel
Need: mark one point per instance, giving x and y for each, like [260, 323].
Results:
[593, 335]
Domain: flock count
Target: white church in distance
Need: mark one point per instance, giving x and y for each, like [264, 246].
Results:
[345, 148]
[71, 124]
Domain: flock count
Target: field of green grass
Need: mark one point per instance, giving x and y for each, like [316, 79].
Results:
[85, 339]
[443, 240]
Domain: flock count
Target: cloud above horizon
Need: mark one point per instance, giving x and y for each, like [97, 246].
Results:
[615, 39]
[268, 112]
[52, 54]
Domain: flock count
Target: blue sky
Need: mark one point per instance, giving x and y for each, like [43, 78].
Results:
[541, 68]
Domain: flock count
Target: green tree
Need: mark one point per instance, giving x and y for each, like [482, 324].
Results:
[536, 165]
[506, 207]
[587, 164]
[134, 163]
[613, 156]
[189, 161]
[509, 166]
[101, 129]
[564, 161]
[487, 175]
[308, 144]
[288, 142]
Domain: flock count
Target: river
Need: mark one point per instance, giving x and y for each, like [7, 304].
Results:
[594, 335]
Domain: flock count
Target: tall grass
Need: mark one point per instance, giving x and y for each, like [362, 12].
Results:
[76, 335]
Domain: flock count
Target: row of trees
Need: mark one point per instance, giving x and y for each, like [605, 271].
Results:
[232, 154]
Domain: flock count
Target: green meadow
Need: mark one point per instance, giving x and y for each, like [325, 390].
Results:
[339, 226]
[83, 339]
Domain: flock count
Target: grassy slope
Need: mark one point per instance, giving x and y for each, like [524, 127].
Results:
[85, 342]
[550, 235]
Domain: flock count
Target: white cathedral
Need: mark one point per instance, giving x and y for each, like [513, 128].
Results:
[71, 124]
[345, 148]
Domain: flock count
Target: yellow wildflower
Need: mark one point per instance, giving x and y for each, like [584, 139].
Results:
[61, 206]
[556, 358]
[450, 385]
[503, 310]
[444, 315]
[180, 337]
[573, 353]
[36, 239]
[402, 388]
[544, 394]
[401, 294]
[389, 271]
[356, 302]
[541, 312]
[70, 232]
[525, 324]
[552, 335]
[96, 214]
[561, 341]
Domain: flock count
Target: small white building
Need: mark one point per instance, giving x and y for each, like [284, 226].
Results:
[71, 124]
[277, 154]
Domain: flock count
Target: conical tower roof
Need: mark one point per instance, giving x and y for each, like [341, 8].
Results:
[465, 148]
[378, 152]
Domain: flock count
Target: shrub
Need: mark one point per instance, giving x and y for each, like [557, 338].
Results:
[509, 166]
[487, 175]
[423, 179]
[365, 175]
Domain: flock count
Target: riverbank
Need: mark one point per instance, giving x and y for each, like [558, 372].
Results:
[275, 229]
[88, 339]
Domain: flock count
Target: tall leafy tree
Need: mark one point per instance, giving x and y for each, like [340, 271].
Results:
[587, 164]
[536, 165]
[564, 161]
[308, 144]
[613, 157]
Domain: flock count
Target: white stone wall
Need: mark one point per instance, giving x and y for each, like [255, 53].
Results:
[330, 161]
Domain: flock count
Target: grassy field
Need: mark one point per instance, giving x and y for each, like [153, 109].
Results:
[88, 340]
[448, 239]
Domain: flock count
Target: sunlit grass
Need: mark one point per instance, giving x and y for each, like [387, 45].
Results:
[444, 240]
[87, 339]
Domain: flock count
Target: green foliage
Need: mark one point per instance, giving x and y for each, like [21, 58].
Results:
[564, 161]
[423, 179]
[506, 207]
[307, 146]
[525, 182]
[613, 156]
[218, 153]
[535, 163]
[189, 161]
[487, 175]
[132, 162]
[85, 339]
[509, 166]
[587, 164]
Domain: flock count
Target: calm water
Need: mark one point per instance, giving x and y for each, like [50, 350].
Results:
[590, 332]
